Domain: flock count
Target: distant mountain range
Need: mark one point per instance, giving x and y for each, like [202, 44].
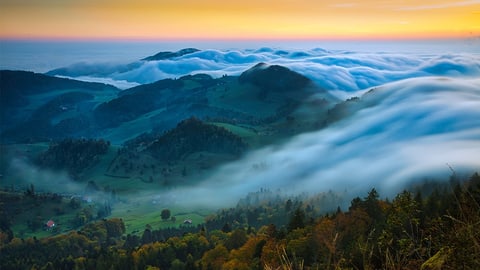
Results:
[169, 55]
[86, 69]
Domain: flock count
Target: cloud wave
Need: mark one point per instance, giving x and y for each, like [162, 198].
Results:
[341, 71]
[422, 114]
[405, 131]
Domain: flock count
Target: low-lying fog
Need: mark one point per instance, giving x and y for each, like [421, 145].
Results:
[421, 119]
[405, 131]
[416, 129]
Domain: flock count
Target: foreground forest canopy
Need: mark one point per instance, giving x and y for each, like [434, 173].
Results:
[433, 227]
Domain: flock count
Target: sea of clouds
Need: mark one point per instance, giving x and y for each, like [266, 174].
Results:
[340, 71]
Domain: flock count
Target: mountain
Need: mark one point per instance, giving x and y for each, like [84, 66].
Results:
[37, 107]
[169, 55]
[255, 99]
[161, 105]
[191, 136]
[275, 79]
[271, 101]
[169, 128]
[18, 85]
[106, 70]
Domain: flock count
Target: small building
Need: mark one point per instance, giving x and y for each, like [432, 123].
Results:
[187, 221]
[50, 224]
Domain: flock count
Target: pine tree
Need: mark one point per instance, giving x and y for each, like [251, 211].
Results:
[297, 221]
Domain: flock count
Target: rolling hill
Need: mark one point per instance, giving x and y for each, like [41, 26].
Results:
[37, 107]
[170, 128]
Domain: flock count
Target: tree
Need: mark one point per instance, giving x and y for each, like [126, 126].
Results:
[372, 207]
[297, 221]
[288, 205]
[30, 191]
[237, 238]
[401, 240]
[326, 237]
[165, 214]
[226, 228]
[177, 265]
[215, 257]
[147, 237]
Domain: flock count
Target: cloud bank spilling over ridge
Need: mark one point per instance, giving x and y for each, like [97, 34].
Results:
[422, 114]
[344, 71]
[405, 131]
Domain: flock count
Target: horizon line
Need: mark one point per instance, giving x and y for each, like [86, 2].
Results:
[312, 39]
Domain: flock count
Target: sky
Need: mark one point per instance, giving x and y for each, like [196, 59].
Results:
[245, 20]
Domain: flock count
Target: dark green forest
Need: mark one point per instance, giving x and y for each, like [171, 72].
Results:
[72, 155]
[432, 226]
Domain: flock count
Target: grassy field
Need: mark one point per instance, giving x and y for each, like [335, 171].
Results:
[30, 214]
[228, 96]
[137, 211]
[137, 214]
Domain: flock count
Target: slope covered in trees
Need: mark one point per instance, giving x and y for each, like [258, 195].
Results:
[193, 135]
[72, 155]
[438, 230]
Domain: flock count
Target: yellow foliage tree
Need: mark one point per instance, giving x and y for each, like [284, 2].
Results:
[215, 258]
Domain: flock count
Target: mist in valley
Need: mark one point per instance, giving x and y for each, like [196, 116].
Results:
[417, 117]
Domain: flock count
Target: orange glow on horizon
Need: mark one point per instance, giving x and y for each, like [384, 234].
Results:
[245, 20]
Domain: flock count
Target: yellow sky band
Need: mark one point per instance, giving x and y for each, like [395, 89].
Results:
[247, 19]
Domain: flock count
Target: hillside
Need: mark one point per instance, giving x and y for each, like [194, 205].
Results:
[177, 157]
[17, 86]
[274, 79]
[42, 107]
[250, 100]
[413, 230]
[37, 107]
[192, 135]
[230, 115]
[73, 156]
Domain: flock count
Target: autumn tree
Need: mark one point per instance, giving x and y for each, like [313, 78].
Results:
[215, 258]
[327, 236]
[401, 240]
[237, 238]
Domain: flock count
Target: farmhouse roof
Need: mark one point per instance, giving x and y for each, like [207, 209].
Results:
[50, 223]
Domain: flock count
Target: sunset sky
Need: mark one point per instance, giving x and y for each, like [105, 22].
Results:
[247, 19]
